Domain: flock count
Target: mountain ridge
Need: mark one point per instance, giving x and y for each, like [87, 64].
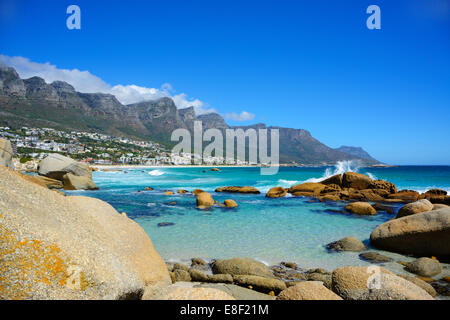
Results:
[33, 102]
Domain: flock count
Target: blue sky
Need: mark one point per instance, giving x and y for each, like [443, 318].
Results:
[300, 64]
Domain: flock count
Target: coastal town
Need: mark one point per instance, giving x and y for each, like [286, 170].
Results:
[34, 144]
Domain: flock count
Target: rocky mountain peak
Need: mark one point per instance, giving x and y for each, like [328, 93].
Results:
[62, 87]
[10, 82]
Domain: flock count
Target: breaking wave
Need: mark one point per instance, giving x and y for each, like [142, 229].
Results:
[339, 168]
[156, 173]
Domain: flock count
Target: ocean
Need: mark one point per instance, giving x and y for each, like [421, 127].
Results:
[269, 230]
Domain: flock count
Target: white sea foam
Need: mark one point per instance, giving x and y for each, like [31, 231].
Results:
[340, 168]
[156, 173]
[371, 176]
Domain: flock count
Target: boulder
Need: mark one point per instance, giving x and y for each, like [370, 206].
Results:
[353, 283]
[215, 169]
[55, 166]
[197, 192]
[387, 186]
[260, 284]
[6, 153]
[405, 195]
[181, 191]
[198, 262]
[56, 247]
[180, 266]
[181, 275]
[330, 197]
[347, 244]
[424, 267]
[169, 193]
[204, 199]
[310, 187]
[331, 188]
[336, 180]
[421, 234]
[237, 292]
[72, 182]
[220, 278]
[356, 181]
[374, 257]
[436, 192]
[420, 283]
[361, 208]
[415, 207]
[438, 206]
[44, 182]
[236, 189]
[371, 195]
[318, 276]
[230, 203]
[276, 192]
[197, 275]
[308, 290]
[180, 291]
[241, 266]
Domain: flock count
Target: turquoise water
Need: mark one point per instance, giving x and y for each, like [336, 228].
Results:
[270, 230]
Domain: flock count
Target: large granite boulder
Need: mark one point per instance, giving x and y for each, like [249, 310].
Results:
[374, 283]
[347, 244]
[55, 166]
[405, 195]
[389, 187]
[308, 290]
[73, 182]
[6, 153]
[241, 266]
[56, 247]
[356, 181]
[415, 207]
[237, 189]
[421, 234]
[44, 182]
[336, 179]
[420, 283]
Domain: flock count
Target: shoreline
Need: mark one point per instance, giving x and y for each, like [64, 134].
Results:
[143, 166]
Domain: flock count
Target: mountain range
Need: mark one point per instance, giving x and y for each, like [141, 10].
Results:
[33, 102]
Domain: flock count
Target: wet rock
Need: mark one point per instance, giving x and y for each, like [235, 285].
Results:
[361, 208]
[148, 189]
[237, 189]
[291, 265]
[204, 199]
[308, 290]
[441, 289]
[181, 191]
[385, 208]
[169, 193]
[197, 275]
[425, 267]
[197, 192]
[334, 180]
[276, 192]
[374, 257]
[165, 224]
[198, 261]
[311, 188]
[347, 244]
[230, 203]
[405, 195]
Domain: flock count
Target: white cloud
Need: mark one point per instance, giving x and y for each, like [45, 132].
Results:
[84, 81]
[243, 116]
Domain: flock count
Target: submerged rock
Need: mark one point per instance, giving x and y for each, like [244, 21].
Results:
[165, 224]
[84, 248]
[236, 189]
[375, 257]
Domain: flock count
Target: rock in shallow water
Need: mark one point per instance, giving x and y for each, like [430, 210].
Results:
[375, 257]
[241, 266]
[425, 267]
[361, 208]
[347, 244]
[421, 234]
